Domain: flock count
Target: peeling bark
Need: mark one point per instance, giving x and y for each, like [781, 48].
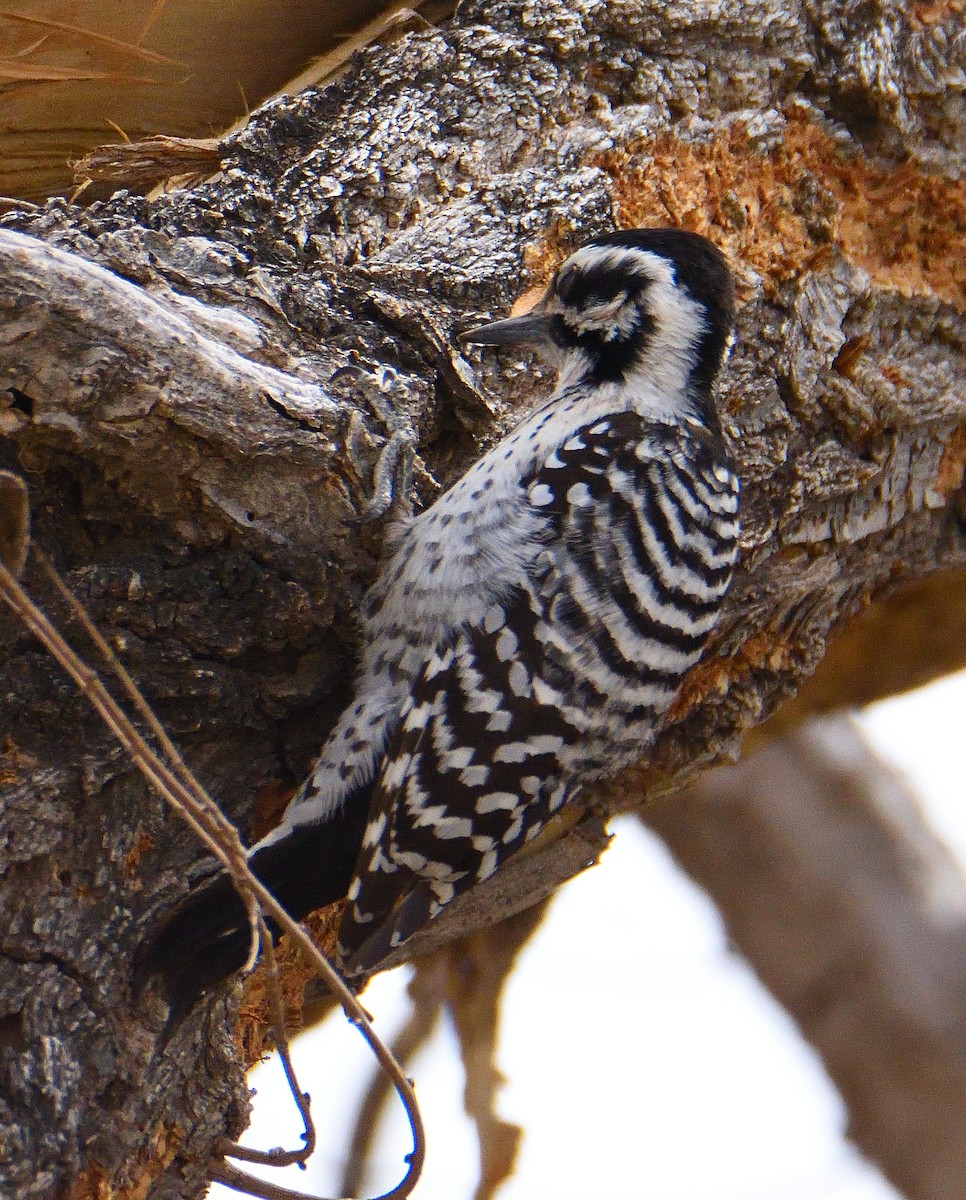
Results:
[205, 389]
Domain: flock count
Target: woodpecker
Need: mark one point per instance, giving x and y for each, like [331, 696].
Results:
[529, 631]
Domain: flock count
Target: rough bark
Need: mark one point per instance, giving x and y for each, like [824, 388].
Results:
[205, 389]
[854, 915]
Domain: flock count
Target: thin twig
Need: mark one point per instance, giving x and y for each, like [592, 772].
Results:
[426, 994]
[89, 35]
[278, 1157]
[220, 825]
[104, 646]
[194, 805]
[241, 1181]
[221, 837]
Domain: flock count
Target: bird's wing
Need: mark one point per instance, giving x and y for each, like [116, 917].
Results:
[473, 772]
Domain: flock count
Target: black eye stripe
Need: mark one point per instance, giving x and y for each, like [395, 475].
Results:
[598, 285]
[612, 339]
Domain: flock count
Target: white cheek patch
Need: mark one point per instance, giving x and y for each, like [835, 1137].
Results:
[665, 321]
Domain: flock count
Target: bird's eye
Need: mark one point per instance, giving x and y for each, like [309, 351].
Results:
[604, 309]
[607, 315]
[561, 285]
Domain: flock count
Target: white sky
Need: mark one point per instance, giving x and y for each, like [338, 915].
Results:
[707, 1093]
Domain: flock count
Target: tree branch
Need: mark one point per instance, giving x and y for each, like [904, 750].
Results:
[204, 386]
[852, 912]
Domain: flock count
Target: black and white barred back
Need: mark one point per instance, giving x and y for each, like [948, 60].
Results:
[531, 629]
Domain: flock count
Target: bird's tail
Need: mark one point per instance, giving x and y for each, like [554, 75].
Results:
[207, 937]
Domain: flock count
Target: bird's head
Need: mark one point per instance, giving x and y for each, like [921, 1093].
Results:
[640, 308]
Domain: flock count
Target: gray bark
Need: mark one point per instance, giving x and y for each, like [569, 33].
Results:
[203, 390]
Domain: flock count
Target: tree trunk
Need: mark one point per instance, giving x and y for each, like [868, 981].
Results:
[206, 388]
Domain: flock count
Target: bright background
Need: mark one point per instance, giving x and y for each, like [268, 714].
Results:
[707, 1092]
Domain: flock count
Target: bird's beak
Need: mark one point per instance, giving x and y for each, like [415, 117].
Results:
[533, 326]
